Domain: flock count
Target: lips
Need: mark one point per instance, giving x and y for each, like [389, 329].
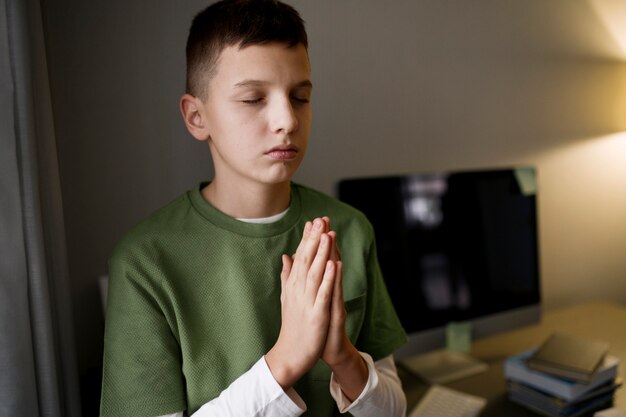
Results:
[283, 152]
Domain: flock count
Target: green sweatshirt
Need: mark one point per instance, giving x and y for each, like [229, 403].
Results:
[194, 302]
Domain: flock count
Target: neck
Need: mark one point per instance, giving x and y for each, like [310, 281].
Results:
[248, 202]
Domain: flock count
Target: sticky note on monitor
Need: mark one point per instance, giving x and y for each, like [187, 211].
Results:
[527, 180]
[459, 336]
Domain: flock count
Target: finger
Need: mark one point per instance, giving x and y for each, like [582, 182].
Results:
[316, 271]
[326, 220]
[284, 275]
[309, 245]
[307, 229]
[339, 280]
[335, 255]
[305, 235]
[325, 292]
[301, 246]
[338, 290]
[338, 308]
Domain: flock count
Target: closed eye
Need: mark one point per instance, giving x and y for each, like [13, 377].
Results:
[252, 101]
[300, 99]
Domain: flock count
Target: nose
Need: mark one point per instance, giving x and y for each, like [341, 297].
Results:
[283, 117]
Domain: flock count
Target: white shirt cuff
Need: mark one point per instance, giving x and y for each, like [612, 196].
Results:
[289, 400]
[257, 393]
[343, 403]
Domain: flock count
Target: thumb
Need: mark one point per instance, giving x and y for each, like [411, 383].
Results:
[284, 274]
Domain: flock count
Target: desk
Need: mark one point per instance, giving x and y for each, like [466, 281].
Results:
[597, 320]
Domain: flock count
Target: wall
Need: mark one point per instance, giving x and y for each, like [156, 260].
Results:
[404, 86]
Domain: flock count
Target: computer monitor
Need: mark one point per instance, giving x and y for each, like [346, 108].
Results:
[454, 247]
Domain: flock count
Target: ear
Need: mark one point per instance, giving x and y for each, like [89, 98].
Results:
[192, 110]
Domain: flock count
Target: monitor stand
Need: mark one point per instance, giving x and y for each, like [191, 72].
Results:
[442, 366]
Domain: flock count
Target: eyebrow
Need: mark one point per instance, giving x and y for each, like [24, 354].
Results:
[259, 83]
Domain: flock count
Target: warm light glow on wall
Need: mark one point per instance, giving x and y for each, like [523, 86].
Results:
[589, 177]
[582, 203]
[613, 15]
[604, 154]
[613, 152]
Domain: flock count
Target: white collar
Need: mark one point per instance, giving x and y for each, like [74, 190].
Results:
[265, 220]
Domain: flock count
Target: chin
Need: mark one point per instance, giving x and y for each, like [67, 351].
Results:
[285, 174]
[278, 181]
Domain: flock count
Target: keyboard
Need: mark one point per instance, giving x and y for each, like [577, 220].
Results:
[441, 401]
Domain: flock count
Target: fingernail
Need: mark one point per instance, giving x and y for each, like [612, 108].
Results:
[318, 224]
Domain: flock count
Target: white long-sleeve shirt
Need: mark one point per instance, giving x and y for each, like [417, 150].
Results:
[257, 394]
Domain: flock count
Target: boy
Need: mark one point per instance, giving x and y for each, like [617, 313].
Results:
[207, 315]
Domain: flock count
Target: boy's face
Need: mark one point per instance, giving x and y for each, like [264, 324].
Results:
[257, 113]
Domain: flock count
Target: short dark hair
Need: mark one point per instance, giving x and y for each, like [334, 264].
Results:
[237, 22]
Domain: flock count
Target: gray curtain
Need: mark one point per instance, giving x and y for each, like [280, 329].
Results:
[38, 375]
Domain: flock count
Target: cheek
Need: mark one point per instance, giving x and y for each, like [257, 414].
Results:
[248, 119]
[304, 121]
[230, 117]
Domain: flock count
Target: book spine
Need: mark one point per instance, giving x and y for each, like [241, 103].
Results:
[551, 385]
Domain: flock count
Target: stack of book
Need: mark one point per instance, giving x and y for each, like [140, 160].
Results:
[565, 377]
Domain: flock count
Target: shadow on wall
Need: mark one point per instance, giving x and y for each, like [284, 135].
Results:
[91, 378]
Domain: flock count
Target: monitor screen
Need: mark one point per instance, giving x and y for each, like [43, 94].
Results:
[454, 247]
